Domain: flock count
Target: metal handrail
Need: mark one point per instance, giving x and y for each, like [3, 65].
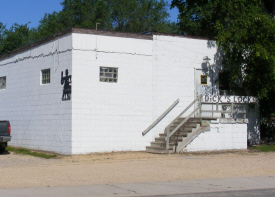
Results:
[200, 111]
[168, 133]
[160, 117]
[187, 108]
[182, 122]
[230, 110]
[199, 108]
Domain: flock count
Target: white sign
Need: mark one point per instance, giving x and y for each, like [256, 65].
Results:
[228, 99]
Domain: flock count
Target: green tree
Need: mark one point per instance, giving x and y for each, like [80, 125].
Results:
[50, 24]
[85, 13]
[119, 15]
[2, 29]
[75, 13]
[244, 30]
[140, 15]
[15, 37]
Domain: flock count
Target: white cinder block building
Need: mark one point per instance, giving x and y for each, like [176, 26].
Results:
[81, 91]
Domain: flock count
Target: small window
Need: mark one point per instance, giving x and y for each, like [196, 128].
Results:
[204, 79]
[45, 76]
[108, 74]
[3, 83]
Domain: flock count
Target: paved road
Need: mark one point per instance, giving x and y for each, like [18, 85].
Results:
[248, 186]
[242, 193]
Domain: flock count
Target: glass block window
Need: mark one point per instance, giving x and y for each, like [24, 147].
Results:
[3, 83]
[45, 76]
[108, 74]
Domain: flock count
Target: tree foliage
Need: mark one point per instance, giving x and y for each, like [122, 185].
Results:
[244, 29]
[139, 15]
[118, 15]
[114, 15]
[15, 37]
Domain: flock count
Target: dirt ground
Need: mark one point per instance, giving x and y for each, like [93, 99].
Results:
[21, 171]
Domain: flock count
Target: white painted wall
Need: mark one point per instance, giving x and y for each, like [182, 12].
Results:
[151, 76]
[38, 117]
[174, 62]
[101, 116]
[175, 59]
[220, 137]
[111, 116]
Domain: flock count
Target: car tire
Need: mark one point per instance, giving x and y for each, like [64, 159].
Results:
[2, 149]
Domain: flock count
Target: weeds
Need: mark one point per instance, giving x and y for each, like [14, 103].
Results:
[24, 151]
[265, 148]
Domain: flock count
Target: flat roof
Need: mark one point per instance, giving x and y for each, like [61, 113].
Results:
[94, 32]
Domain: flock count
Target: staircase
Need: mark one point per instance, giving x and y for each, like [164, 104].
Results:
[182, 131]
[180, 139]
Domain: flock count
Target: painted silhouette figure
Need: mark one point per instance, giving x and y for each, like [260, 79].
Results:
[66, 80]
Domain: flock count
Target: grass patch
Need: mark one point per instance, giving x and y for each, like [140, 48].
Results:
[24, 151]
[265, 148]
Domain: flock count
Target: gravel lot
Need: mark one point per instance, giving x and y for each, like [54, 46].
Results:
[20, 171]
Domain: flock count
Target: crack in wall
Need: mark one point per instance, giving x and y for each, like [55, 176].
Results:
[95, 50]
[36, 56]
[58, 52]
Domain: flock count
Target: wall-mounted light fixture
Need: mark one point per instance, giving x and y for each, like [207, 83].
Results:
[206, 58]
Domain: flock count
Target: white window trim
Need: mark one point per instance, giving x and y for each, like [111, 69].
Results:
[41, 76]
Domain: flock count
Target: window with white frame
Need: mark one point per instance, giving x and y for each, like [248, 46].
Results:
[108, 74]
[45, 76]
[3, 83]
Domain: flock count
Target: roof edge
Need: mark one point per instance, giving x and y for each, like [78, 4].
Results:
[94, 32]
[36, 43]
[111, 33]
[178, 35]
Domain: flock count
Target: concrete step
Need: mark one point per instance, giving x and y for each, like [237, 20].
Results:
[162, 144]
[206, 118]
[157, 150]
[180, 134]
[187, 124]
[172, 139]
[183, 129]
[193, 120]
[159, 145]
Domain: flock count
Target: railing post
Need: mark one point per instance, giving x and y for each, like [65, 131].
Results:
[200, 105]
[160, 117]
[217, 108]
[246, 110]
[167, 138]
[232, 110]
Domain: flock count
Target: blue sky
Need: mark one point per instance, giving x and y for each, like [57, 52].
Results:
[24, 11]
